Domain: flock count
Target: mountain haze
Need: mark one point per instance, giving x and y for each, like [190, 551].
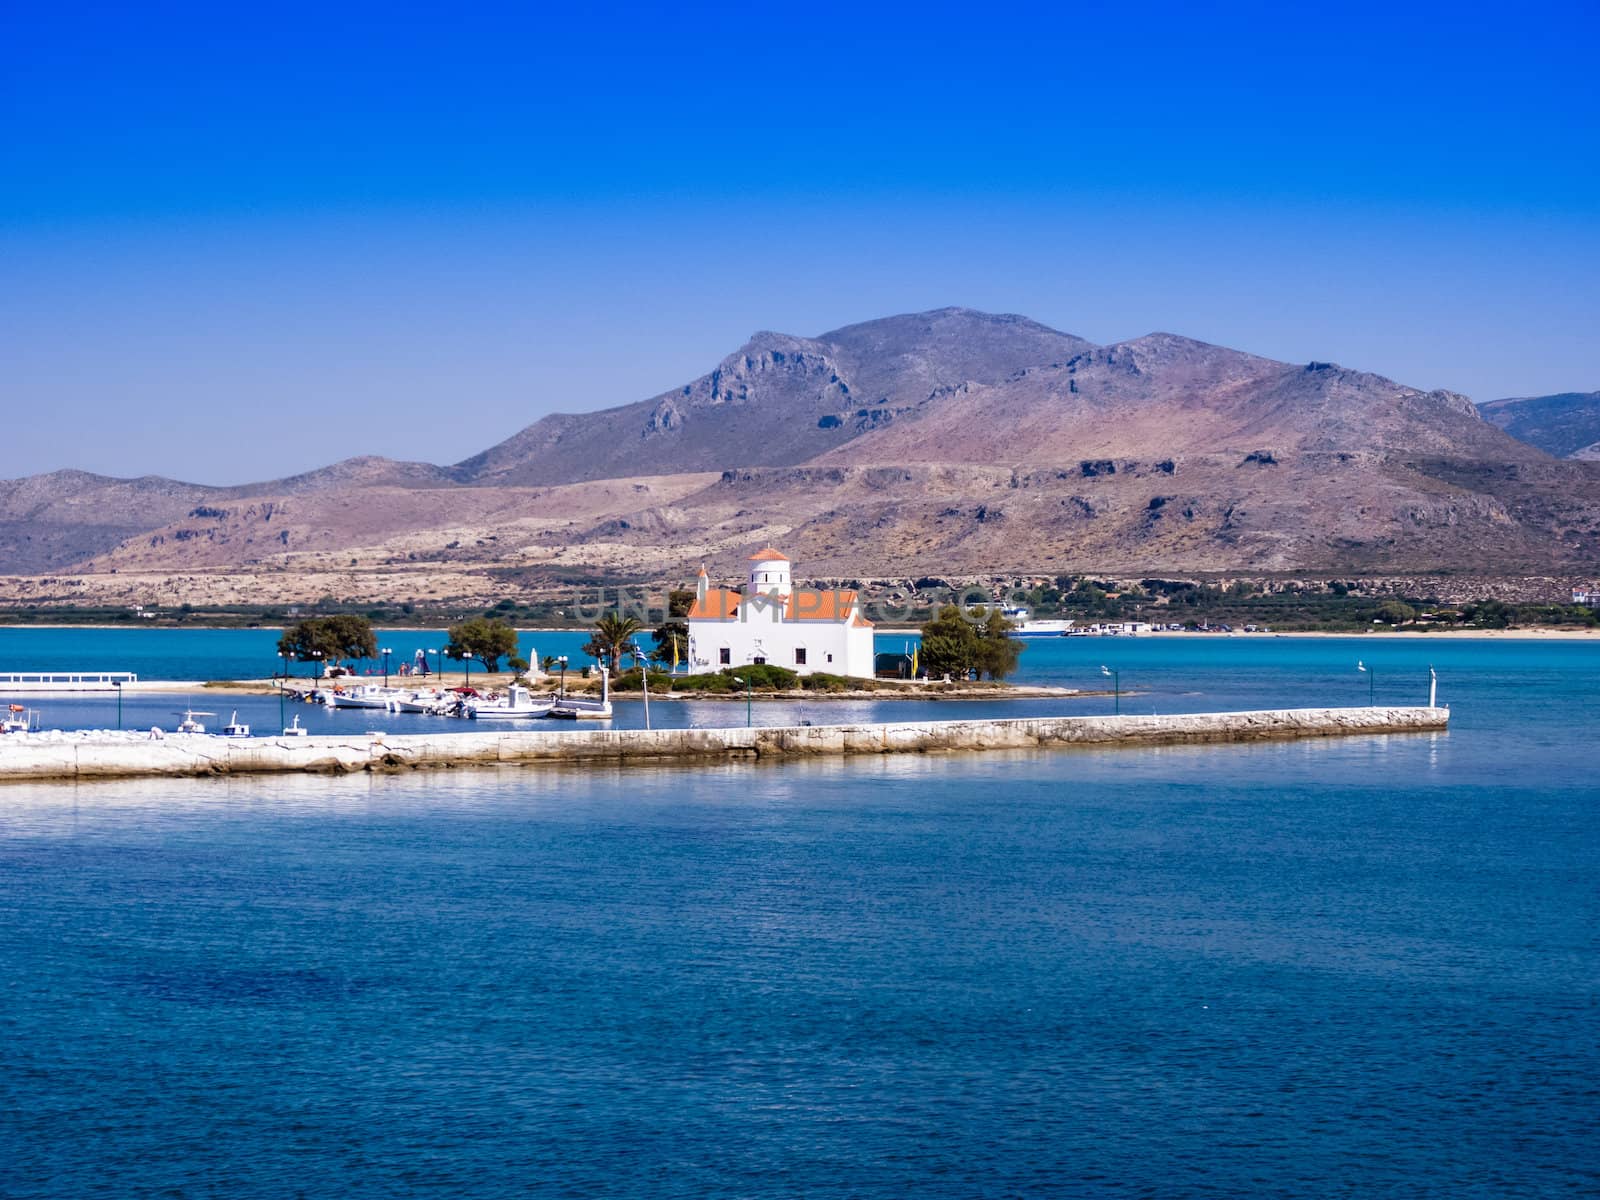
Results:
[1566, 425]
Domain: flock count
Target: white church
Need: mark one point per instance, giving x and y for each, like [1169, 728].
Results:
[772, 621]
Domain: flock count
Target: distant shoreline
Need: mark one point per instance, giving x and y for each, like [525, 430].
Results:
[888, 690]
[1535, 633]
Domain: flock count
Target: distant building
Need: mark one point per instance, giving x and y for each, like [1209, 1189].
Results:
[772, 621]
[1589, 596]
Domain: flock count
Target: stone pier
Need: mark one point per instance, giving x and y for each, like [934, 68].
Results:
[110, 755]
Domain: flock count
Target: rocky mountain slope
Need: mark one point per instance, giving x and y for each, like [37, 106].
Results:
[1566, 425]
[48, 522]
[948, 441]
[779, 400]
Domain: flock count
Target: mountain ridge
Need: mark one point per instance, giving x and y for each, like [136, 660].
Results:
[943, 439]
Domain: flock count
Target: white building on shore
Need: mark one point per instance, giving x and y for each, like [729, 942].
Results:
[772, 621]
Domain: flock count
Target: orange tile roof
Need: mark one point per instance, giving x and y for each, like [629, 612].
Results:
[768, 555]
[802, 604]
[718, 605]
[809, 604]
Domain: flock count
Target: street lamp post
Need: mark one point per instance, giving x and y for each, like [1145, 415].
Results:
[1116, 688]
[466, 668]
[317, 654]
[117, 683]
[746, 683]
[1372, 681]
[563, 663]
[439, 668]
[385, 654]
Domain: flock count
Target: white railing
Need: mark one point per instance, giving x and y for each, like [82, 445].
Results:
[105, 678]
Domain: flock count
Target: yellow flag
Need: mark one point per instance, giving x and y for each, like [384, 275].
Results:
[914, 650]
[674, 652]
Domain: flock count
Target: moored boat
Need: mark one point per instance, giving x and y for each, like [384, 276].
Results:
[432, 702]
[576, 708]
[189, 724]
[519, 704]
[366, 695]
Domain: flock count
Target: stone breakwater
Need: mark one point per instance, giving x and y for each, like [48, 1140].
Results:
[109, 755]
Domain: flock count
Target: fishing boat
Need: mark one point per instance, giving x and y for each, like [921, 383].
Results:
[519, 704]
[295, 729]
[235, 728]
[434, 702]
[366, 695]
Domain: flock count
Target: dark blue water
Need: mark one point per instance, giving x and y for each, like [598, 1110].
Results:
[1359, 967]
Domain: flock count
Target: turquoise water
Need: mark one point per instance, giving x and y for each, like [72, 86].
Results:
[1361, 967]
[201, 654]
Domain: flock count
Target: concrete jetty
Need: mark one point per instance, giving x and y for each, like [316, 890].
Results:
[94, 755]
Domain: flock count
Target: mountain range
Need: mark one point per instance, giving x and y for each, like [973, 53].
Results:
[946, 442]
[1566, 425]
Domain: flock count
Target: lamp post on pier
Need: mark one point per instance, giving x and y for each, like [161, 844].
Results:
[466, 668]
[1372, 681]
[385, 654]
[438, 659]
[1116, 688]
[117, 683]
[563, 662]
[746, 682]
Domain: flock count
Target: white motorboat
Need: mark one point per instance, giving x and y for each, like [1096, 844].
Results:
[519, 705]
[433, 702]
[580, 710]
[365, 695]
[189, 724]
[235, 728]
[576, 708]
[295, 729]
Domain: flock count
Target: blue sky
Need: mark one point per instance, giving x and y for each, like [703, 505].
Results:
[236, 245]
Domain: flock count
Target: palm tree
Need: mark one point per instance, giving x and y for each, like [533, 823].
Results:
[613, 637]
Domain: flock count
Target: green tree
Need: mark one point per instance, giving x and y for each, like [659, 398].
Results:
[1396, 612]
[329, 639]
[613, 637]
[674, 633]
[950, 644]
[487, 639]
[998, 652]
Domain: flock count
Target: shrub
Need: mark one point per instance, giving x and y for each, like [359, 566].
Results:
[630, 681]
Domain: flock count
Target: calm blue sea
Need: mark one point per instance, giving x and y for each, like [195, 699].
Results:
[1364, 967]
